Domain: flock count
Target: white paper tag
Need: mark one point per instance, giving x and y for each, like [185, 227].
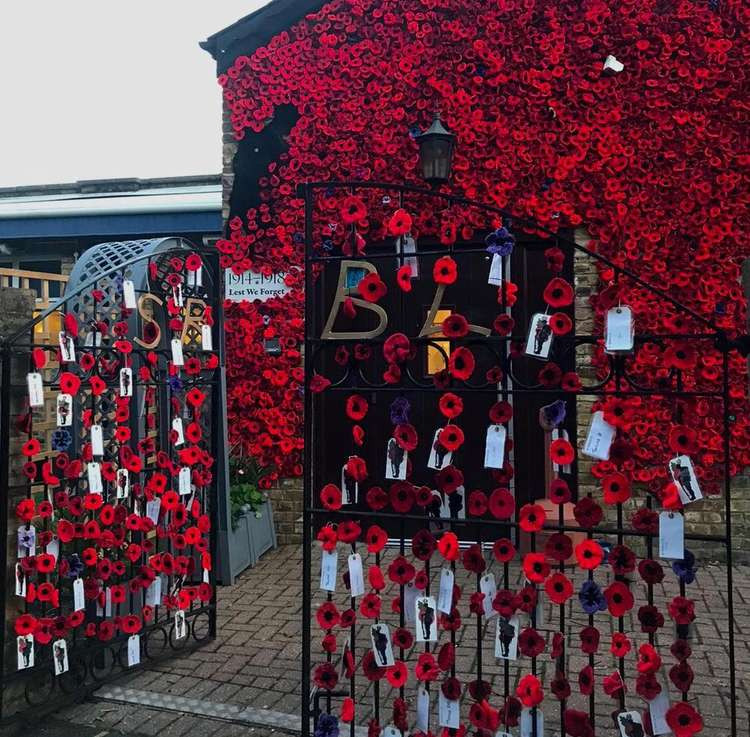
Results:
[619, 329]
[153, 592]
[392, 731]
[206, 576]
[349, 488]
[79, 600]
[134, 650]
[380, 638]
[410, 247]
[64, 408]
[658, 709]
[683, 474]
[36, 389]
[671, 535]
[123, 483]
[152, 509]
[449, 712]
[207, 341]
[25, 651]
[411, 593]
[180, 626]
[184, 480]
[178, 359]
[439, 456]
[177, 427]
[26, 541]
[97, 440]
[67, 348]
[177, 295]
[527, 723]
[128, 294]
[195, 278]
[496, 270]
[94, 471]
[126, 382]
[494, 449]
[60, 656]
[629, 723]
[20, 581]
[356, 575]
[488, 587]
[506, 637]
[329, 570]
[423, 709]
[93, 337]
[426, 618]
[445, 597]
[599, 438]
[108, 602]
[539, 339]
[53, 547]
[396, 461]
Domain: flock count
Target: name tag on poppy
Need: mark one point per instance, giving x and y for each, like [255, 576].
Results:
[178, 359]
[671, 535]
[423, 709]
[128, 294]
[411, 593]
[488, 587]
[64, 410]
[619, 330]
[184, 480]
[152, 510]
[79, 600]
[527, 723]
[539, 339]
[36, 389]
[123, 483]
[658, 709]
[97, 440]
[177, 427]
[449, 712]
[126, 382]
[94, 472]
[599, 437]
[67, 347]
[445, 597]
[494, 449]
[195, 278]
[328, 570]
[153, 592]
[356, 576]
[496, 270]
[108, 602]
[207, 341]
[682, 473]
[134, 650]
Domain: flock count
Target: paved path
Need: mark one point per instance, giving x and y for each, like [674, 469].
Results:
[247, 681]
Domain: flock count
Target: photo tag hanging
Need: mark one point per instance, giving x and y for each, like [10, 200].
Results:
[126, 382]
[445, 594]
[152, 509]
[123, 483]
[558, 434]
[380, 637]
[496, 270]
[94, 472]
[506, 637]
[426, 619]
[67, 347]
[36, 389]
[79, 600]
[177, 295]
[410, 247]
[395, 461]
[440, 457]
[494, 449]
[97, 440]
[488, 587]
[178, 430]
[134, 650]
[539, 339]
[26, 541]
[329, 562]
[630, 723]
[454, 504]
[60, 656]
[25, 649]
[207, 340]
[682, 473]
[619, 330]
[356, 575]
[599, 438]
[184, 480]
[64, 407]
[128, 294]
[671, 535]
[20, 581]
[423, 709]
[178, 359]
[449, 712]
[349, 488]
[180, 625]
[195, 278]
[528, 722]
[411, 594]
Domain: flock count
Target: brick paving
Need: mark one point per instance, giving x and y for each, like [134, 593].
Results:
[255, 661]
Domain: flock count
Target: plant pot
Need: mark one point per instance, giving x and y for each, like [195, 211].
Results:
[252, 537]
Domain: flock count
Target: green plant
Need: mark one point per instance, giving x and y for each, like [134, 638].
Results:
[245, 494]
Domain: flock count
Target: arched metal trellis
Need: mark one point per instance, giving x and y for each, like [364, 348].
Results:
[112, 418]
[344, 357]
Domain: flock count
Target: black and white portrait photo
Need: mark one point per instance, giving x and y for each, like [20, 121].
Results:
[539, 340]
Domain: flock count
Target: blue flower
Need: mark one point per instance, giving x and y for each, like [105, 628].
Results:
[685, 569]
[61, 439]
[591, 598]
[328, 726]
[400, 411]
[554, 414]
[75, 566]
[501, 242]
[175, 384]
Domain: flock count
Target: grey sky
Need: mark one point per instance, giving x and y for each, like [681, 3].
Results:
[106, 88]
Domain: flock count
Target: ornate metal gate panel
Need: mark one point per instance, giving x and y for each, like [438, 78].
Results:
[111, 421]
[568, 612]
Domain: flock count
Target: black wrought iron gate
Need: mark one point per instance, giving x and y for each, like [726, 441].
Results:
[111, 422]
[597, 610]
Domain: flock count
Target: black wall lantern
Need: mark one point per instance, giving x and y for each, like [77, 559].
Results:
[436, 148]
